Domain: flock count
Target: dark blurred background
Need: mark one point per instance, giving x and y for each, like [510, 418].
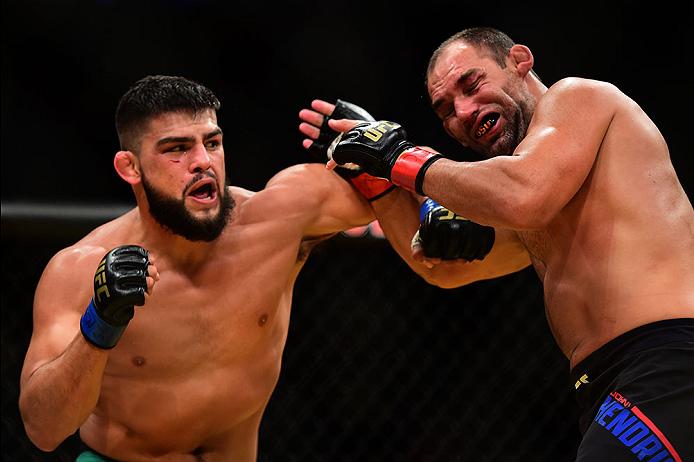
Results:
[407, 372]
[65, 65]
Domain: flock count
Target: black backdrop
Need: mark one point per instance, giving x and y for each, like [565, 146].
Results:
[388, 368]
[65, 64]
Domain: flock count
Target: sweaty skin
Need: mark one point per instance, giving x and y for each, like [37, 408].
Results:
[192, 374]
[590, 192]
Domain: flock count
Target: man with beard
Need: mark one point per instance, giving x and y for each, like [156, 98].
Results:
[187, 375]
[581, 178]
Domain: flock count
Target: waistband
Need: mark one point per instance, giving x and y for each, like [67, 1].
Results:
[652, 335]
[93, 456]
[87, 454]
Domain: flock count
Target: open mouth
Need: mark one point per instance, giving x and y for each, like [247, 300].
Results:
[204, 191]
[486, 124]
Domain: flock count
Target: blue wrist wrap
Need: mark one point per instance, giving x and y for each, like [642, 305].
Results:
[97, 331]
[426, 207]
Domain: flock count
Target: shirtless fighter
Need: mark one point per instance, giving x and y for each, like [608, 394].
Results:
[579, 179]
[186, 374]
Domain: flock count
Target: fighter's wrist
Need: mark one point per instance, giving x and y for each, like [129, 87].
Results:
[410, 166]
[97, 331]
[426, 207]
[371, 187]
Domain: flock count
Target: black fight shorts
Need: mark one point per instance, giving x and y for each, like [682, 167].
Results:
[636, 396]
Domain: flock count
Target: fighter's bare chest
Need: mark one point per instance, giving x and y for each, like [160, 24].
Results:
[218, 296]
[237, 286]
[225, 316]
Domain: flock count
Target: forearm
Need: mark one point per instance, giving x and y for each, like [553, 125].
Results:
[510, 191]
[398, 215]
[59, 396]
[485, 192]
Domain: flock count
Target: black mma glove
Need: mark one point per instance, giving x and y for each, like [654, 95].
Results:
[370, 187]
[120, 283]
[382, 150]
[448, 236]
[343, 110]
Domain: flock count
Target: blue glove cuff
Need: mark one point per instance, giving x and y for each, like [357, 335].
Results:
[426, 207]
[97, 331]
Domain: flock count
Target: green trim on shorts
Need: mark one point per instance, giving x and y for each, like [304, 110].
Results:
[91, 456]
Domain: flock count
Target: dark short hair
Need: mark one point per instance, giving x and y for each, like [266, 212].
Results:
[487, 40]
[154, 95]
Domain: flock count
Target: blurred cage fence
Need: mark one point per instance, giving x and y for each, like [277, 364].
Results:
[378, 366]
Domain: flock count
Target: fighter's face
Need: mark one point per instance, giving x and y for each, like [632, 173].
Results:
[481, 105]
[183, 177]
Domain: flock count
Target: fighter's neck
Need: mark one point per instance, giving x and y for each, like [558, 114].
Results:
[536, 87]
[163, 243]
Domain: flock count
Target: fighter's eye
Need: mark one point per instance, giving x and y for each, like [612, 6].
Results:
[176, 148]
[472, 88]
[213, 144]
[445, 112]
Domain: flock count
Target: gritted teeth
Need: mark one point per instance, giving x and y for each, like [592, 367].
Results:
[488, 122]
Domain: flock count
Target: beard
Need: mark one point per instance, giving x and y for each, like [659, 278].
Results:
[516, 128]
[172, 214]
[510, 138]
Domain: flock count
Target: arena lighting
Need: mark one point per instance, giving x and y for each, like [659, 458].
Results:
[67, 212]
[31, 220]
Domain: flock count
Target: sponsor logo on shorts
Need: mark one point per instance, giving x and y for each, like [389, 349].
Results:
[634, 430]
[583, 379]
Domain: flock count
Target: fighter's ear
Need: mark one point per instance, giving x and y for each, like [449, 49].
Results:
[127, 166]
[521, 59]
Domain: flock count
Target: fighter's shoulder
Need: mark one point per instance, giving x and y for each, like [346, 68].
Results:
[282, 189]
[71, 266]
[581, 91]
[298, 190]
[239, 194]
[301, 174]
[86, 252]
[304, 183]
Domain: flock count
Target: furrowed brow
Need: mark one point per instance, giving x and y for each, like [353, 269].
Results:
[213, 133]
[175, 139]
[463, 79]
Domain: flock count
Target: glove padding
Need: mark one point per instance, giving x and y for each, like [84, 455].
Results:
[321, 149]
[120, 283]
[448, 236]
[382, 150]
[343, 110]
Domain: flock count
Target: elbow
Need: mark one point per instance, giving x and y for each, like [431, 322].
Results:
[42, 439]
[447, 284]
[443, 278]
[39, 434]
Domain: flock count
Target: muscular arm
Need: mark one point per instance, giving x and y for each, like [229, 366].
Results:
[320, 199]
[398, 215]
[62, 372]
[526, 190]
